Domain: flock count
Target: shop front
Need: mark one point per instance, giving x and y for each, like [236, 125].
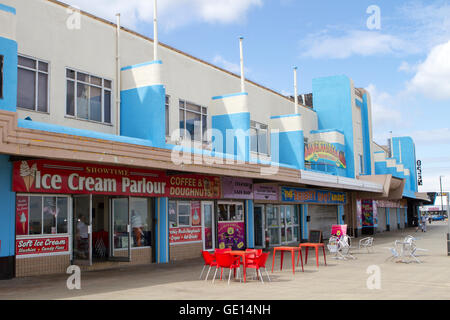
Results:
[192, 226]
[275, 223]
[320, 209]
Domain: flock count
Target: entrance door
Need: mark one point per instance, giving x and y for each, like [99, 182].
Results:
[82, 230]
[120, 235]
[208, 224]
[260, 233]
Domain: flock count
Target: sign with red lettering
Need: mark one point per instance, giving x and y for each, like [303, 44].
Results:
[48, 176]
[22, 215]
[42, 245]
[189, 234]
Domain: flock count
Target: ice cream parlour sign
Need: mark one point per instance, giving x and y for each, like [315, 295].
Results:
[51, 176]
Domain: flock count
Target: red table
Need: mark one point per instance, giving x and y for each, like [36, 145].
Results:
[316, 246]
[292, 251]
[243, 255]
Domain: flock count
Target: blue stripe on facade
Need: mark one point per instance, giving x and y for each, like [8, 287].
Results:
[326, 130]
[8, 49]
[230, 95]
[162, 233]
[366, 136]
[8, 9]
[286, 116]
[290, 148]
[250, 223]
[139, 65]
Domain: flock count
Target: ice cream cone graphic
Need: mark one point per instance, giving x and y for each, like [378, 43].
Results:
[28, 174]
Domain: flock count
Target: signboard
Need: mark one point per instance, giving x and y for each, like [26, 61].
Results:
[231, 235]
[419, 173]
[196, 214]
[22, 215]
[322, 151]
[188, 234]
[42, 245]
[369, 214]
[265, 192]
[300, 195]
[339, 230]
[59, 177]
[237, 188]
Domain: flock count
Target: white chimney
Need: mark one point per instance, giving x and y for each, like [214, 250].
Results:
[242, 65]
[295, 92]
[155, 30]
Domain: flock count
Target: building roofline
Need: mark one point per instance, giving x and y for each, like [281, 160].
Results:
[65, 5]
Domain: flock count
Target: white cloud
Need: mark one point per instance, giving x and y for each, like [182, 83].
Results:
[408, 68]
[385, 115]
[171, 13]
[432, 77]
[362, 43]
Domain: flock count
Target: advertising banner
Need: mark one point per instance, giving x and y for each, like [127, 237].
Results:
[369, 218]
[231, 235]
[48, 176]
[237, 188]
[42, 245]
[299, 195]
[22, 215]
[265, 192]
[196, 213]
[321, 151]
[188, 234]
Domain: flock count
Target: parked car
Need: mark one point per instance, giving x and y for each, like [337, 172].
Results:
[438, 218]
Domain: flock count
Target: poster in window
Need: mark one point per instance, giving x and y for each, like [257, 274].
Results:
[196, 213]
[231, 235]
[22, 215]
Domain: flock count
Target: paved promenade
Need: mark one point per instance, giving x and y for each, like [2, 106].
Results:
[339, 280]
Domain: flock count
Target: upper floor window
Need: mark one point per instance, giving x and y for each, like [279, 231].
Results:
[1, 77]
[167, 116]
[32, 84]
[258, 138]
[88, 97]
[193, 120]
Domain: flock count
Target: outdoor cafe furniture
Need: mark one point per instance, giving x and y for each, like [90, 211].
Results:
[366, 243]
[209, 260]
[405, 250]
[340, 247]
[258, 264]
[292, 250]
[316, 247]
[226, 261]
[245, 257]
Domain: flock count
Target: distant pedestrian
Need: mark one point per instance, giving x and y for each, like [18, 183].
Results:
[424, 223]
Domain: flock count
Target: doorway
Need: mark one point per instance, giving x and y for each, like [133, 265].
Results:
[208, 226]
[260, 233]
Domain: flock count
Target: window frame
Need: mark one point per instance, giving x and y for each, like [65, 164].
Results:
[36, 71]
[185, 110]
[89, 84]
[42, 234]
[258, 127]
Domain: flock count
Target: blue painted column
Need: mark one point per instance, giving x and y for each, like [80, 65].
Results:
[142, 111]
[162, 230]
[7, 219]
[406, 216]
[250, 223]
[388, 222]
[304, 222]
[287, 141]
[8, 49]
[398, 218]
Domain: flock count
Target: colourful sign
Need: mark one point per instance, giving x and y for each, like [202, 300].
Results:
[42, 245]
[299, 195]
[188, 234]
[48, 176]
[237, 188]
[339, 230]
[266, 192]
[369, 214]
[321, 151]
[231, 235]
[22, 215]
[196, 213]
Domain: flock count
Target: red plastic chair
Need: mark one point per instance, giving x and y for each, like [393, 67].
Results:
[259, 263]
[226, 261]
[253, 255]
[210, 260]
[222, 250]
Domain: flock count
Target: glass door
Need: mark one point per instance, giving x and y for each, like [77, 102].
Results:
[260, 233]
[208, 224]
[273, 224]
[120, 235]
[82, 230]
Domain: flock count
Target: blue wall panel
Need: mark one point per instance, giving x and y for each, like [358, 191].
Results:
[7, 209]
[8, 49]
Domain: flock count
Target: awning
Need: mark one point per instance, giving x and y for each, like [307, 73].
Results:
[392, 187]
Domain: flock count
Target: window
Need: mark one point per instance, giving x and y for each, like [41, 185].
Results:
[231, 212]
[42, 215]
[32, 84]
[167, 116]
[88, 97]
[1, 77]
[141, 222]
[361, 164]
[258, 138]
[179, 214]
[193, 120]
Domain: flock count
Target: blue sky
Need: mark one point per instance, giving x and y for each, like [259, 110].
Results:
[405, 64]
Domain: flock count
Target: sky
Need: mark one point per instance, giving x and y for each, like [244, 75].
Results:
[398, 50]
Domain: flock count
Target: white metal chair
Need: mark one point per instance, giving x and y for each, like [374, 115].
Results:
[366, 243]
[333, 247]
[345, 246]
